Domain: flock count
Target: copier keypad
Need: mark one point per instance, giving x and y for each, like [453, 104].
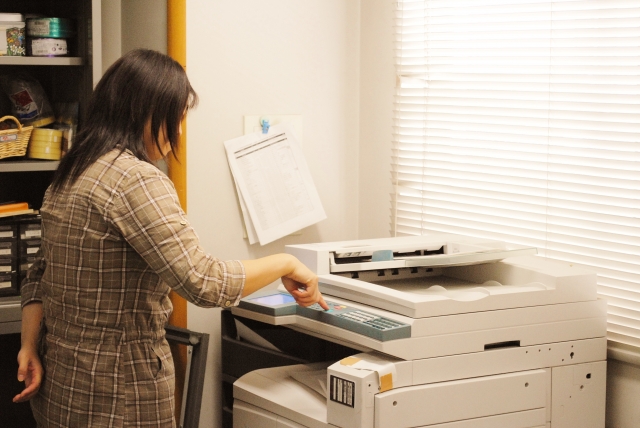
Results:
[358, 321]
[372, 320]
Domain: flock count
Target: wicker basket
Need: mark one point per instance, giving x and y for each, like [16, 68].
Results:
[13, 142]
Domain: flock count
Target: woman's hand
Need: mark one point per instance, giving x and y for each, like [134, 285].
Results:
[30, 371]
[298, 279]
[302, 284]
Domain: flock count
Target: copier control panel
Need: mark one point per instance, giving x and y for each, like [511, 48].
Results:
[278, 303]
[358, 321]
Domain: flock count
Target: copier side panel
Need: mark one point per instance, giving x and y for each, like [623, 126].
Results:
[461, 400]
[246, 415]
[458, 343]
[525, 419]
[578, 395]
[286, 423]
[508, 360]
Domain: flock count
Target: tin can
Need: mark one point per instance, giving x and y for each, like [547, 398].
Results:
[51, 28]
[47, 47]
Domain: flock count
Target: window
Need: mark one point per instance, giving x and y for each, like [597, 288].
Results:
[519, 120]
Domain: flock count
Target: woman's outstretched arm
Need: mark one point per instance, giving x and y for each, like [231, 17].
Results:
[298, 279]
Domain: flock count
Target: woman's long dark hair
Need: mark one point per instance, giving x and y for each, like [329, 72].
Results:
[142, 86]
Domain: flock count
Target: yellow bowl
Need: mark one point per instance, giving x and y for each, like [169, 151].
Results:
[44, 149]
[45, 144]
[46, 132]
[49, 156]
[42, 122]
[44, 152]
[52, 139]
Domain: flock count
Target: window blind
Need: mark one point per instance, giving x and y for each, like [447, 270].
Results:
[519, 120]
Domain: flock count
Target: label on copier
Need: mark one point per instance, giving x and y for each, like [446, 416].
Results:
[342, 391]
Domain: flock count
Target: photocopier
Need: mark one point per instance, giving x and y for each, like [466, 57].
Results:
[453, 332]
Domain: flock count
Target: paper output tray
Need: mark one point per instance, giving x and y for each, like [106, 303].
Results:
[435, 260]
[443, 260]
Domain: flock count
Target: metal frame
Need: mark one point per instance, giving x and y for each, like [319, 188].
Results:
[198, 344]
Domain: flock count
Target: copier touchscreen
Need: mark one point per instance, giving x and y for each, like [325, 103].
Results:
[276, 303]
[274, 299]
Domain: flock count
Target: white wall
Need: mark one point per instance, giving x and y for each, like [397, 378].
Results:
[131, 24]
[111, 32]
[276, 57]
[144, 25]
[377, 89]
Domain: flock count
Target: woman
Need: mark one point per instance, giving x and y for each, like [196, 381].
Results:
[115, 242]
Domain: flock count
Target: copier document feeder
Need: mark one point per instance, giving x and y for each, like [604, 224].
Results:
[454, 332]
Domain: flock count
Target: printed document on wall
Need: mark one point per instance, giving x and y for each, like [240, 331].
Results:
[274, 185]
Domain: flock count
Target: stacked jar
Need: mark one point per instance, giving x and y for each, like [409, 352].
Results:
[12, 34]
[48, 36]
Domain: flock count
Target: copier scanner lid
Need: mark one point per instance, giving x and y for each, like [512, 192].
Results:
[442, 274]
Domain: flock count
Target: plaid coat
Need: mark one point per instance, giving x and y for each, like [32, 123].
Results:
[114, 244]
